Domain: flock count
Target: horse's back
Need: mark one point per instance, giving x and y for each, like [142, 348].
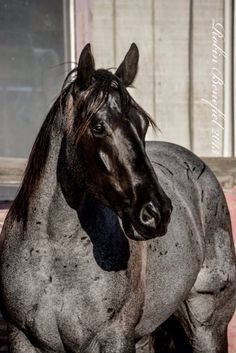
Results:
[192, 180]
[211, 300]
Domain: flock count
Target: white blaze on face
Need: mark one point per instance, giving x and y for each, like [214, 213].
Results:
[106, 161]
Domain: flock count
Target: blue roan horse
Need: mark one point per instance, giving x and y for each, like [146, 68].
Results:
[108, 242]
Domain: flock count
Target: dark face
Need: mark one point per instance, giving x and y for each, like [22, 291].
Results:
[111, 152]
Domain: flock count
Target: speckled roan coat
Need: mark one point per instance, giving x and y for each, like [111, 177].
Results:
[71, 281]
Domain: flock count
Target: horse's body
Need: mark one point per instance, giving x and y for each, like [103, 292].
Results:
[71, 280]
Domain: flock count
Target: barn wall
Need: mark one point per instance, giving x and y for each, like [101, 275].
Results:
[207, 75]
[175, 83]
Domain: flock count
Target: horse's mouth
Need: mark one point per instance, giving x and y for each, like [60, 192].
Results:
[135, 233]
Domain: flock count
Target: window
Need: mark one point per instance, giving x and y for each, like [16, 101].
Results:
[35, 44]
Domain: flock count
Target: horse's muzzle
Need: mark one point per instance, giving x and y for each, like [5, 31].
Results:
[154, 219]
[150, 215]
[151, 223]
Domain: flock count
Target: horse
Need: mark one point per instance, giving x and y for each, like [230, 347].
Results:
[111, 240]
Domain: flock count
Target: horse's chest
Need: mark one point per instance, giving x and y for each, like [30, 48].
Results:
[173, 264]
[25, 273]
[63, 289]
[80, 312]
[94, 296]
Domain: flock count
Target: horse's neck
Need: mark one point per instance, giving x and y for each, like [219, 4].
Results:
[53, 217]
[47, 196]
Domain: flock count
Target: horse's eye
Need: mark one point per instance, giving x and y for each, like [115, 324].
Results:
[98, 129]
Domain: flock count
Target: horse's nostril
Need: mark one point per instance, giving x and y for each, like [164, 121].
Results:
[150, 215]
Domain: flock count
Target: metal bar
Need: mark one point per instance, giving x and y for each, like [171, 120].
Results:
[65, 30]
[234, 77]
[191, 83]
[114, 31]
[72, 32]
[69, 33]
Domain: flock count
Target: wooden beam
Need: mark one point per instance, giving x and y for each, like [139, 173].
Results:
[12, 169]
[224, 169]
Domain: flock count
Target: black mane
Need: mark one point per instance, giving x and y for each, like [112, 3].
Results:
[89, 102]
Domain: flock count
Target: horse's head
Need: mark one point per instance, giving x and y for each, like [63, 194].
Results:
[105, 143]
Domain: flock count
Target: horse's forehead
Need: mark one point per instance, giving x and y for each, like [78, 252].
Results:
[114, 102]
[113, 105]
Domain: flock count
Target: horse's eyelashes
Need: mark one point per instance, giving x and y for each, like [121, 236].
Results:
[98, 128]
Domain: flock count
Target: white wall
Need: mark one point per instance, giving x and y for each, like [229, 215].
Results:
[175, 83]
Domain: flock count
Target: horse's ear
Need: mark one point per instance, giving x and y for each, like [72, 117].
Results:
[86, 68]
[129, 66]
